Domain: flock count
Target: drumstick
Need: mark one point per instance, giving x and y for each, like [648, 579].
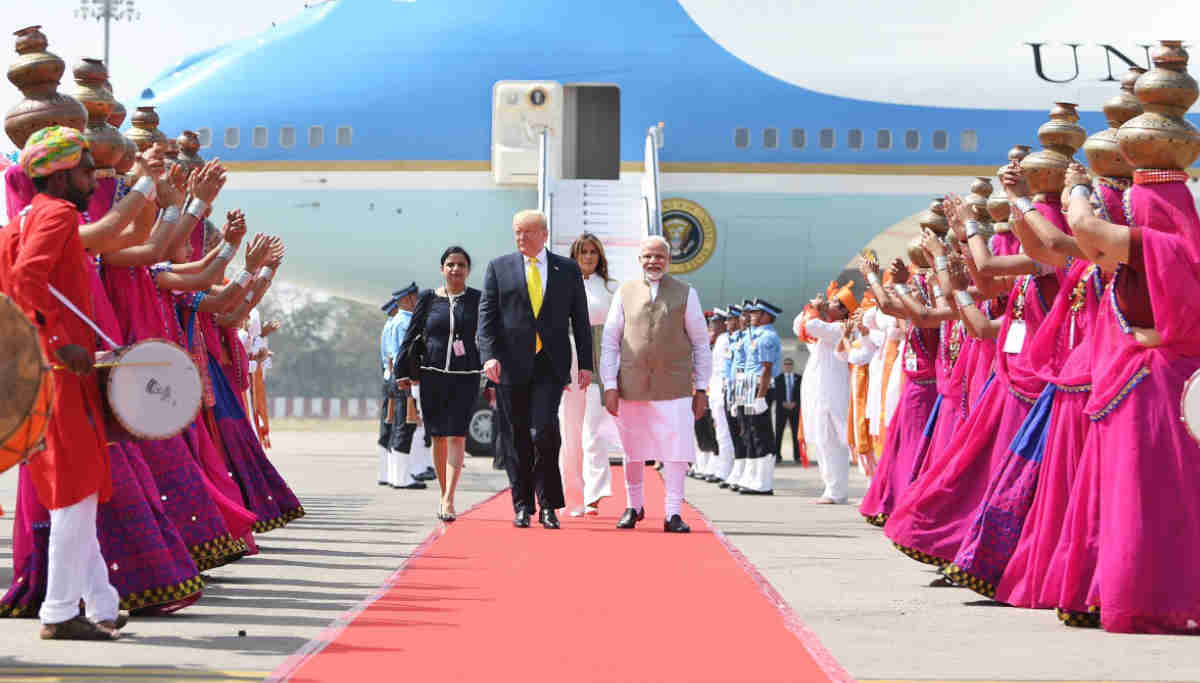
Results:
[118, 364]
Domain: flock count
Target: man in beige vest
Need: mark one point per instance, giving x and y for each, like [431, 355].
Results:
[655, 364]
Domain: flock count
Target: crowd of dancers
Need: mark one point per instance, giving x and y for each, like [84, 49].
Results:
[1039, 452]
[105, 518]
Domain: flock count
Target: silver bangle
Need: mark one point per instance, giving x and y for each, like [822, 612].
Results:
[243, 278]
[972, 229]
[901, 289]
[226, 252]
[250, 296]
[941, 263]
[1025, 205]
[197, 207]
[1083, 191]
[937, 292]
[145, 186]
[964, 298]
[873, 279]
[265, 273]
[171, 214]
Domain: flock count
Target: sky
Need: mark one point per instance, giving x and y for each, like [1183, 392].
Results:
[167, 31]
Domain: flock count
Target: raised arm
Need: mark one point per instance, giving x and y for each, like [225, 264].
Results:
[1103, 243]
[1041, 239]
[967, 230]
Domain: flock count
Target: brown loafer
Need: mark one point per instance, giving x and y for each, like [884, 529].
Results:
[77, 628]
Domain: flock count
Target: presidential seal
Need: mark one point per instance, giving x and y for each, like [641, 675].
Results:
[690, 231]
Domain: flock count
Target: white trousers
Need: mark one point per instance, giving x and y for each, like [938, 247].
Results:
[77, 569]
[382, 473]
[722, 463]
[420, 457]
[832, 455]
[588, 436]
[398, 470]
[674, 479]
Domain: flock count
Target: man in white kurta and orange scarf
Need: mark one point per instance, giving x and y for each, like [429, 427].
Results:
[655, 363]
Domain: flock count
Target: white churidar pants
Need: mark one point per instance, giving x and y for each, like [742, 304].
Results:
[383, 476]
[588, 436]
[77, 569]
[674, 479]
[722, 464]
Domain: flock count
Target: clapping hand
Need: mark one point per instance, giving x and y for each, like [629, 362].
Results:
[257, 252]
[206, 182]
[270, 327]
[899, 271]
[235, 226]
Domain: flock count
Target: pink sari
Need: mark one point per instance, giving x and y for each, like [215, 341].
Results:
[1030, 579]
[917, 398]
[931, 523]
[1148, 564]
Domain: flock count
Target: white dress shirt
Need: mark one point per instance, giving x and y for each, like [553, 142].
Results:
[697, 331]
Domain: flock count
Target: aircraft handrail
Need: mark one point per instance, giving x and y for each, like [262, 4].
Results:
[651, 193]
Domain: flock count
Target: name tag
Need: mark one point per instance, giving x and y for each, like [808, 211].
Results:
[459, 348]
[1015, 339]
[910, 363]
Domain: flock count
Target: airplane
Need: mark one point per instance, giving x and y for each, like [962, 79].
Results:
[374, 133]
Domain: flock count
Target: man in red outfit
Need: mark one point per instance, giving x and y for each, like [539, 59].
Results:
[41, 251]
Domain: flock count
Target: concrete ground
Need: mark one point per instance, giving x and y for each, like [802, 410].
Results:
[868, 604]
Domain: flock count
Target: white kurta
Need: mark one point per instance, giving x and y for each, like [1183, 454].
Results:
[658, 430]
[871, 319]
[589, 433]
[825, 400]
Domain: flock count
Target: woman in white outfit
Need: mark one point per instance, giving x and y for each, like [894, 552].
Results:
[588, 431]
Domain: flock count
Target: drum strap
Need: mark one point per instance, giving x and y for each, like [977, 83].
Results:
[67, 302]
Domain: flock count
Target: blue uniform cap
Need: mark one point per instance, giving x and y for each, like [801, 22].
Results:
[767, 307]
[401, 293]
[391, 305]
[734, 309]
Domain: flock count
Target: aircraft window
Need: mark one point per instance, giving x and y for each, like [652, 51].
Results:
[260, 136]
[741, 138]
[316, 136]
[345, 136]
[912, 140]
[883, 139]
[771, 138]
[827, 138]
[799, 138]
[287, 137]
[205, 136]
[941, 140]
[970, 141]
[233, 137]
[854, 138]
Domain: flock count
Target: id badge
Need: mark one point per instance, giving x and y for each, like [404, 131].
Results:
[1015, 339]
[910, 363]
[459, 348]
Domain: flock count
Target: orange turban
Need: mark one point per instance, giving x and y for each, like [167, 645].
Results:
[846, 296]
[831, 290]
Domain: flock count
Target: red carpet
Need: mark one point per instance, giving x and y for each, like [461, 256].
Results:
[483, 601]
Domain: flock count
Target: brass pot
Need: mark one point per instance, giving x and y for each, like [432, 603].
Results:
[1104, 155]
[37, 73]
[1045, 171]
[189, 151]
[117, 117]
[1160, 138]
[982, 186]
[1062, 133]
[144, 131]
[105, 142]
[1019, 152]
[916, 254]
[172, 152]
[1124, 105]
[934, 218]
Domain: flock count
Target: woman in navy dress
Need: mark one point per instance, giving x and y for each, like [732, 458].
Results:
[439, 356]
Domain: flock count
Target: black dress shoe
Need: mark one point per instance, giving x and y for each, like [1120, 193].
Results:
[723, 485]
[427, 475]
[413, 485]
[548, 519]
[712, 479]
[676, 525]
[521, 520]
[735, 488]
[631, 518]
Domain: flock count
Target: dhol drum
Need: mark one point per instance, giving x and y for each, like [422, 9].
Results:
[153, 388]
[1189, 405]
[28, 389]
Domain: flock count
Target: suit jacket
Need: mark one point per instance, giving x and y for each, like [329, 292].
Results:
[507, 327]
[781, 388]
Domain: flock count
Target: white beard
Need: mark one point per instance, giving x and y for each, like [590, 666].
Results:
[654, 277]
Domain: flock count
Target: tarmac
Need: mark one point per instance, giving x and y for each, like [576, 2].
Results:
[869, 605]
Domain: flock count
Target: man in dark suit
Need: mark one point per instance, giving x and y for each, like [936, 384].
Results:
[533, 304]
[787, 407]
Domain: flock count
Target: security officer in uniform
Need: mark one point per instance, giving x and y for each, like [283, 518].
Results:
[400, 474]
[762, 358]
[387, 351]
[733, 362]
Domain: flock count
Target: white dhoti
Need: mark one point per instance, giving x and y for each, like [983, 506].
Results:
[825, 403]
[662, 431]
[77, 569]
[588, 436]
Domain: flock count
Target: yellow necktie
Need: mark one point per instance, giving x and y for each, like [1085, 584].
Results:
[534, 279]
